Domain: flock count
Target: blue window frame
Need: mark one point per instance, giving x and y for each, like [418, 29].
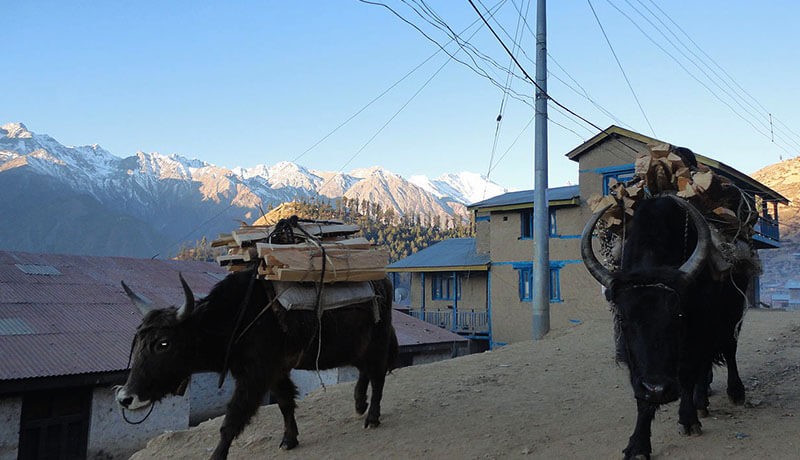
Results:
[526, 284]
[526, 223]
[442, 286]
[622, 173]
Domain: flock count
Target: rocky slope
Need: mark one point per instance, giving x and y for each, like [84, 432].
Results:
[780, 265]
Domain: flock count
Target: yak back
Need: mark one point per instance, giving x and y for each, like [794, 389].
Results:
[289, 339]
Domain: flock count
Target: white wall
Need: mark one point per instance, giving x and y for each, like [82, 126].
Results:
[110, 437]
[10, 413]
[206, 400]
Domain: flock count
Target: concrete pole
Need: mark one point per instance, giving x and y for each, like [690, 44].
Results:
[541, 219]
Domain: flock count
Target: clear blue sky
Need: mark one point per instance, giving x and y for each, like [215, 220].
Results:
[247, 83]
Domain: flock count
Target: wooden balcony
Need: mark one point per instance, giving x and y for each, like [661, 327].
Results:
[469, 323]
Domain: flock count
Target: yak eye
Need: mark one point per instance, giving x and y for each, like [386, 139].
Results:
[162, 345]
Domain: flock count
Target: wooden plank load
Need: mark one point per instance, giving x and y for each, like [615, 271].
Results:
[303, 251]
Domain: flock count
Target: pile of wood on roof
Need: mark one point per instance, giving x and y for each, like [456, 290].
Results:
[298, 250]
[730, 212]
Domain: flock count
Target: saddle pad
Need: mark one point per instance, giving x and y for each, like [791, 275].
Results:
[303, 296]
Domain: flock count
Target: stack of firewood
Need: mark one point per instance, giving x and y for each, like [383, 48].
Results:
[300, 251]
[664, 170]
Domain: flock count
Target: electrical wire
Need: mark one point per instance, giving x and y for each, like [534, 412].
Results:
[621, 69]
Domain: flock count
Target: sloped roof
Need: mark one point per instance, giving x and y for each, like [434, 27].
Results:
[450, 254]
[412, 331]
[554, 196]
[65, 315]
[68, 315]
[614, 132]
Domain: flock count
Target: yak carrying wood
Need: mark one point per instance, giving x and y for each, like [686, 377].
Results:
[296, 250]
[730, 213]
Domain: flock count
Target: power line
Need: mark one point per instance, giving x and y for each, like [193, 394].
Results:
[716, 79]
[621, 69]
[692, 75]
[544, 93]
[722, 69]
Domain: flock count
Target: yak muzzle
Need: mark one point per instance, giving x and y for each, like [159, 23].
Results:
[130, 401]
[657, 392]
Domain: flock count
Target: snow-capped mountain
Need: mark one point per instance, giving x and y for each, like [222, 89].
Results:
[147, 203]
[464, 187]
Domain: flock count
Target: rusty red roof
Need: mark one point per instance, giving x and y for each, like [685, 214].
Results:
[66, 315]
[413, 331]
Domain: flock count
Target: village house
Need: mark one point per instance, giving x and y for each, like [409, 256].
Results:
[789, 298]
[66, 328]
[491, 274]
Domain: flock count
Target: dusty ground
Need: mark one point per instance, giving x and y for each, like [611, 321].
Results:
[563, 397]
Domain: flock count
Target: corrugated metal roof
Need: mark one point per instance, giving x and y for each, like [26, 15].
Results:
[454, 252]
[14, 326]
[567, 192]
[81, 321]
[412, 331]
[792, 284]
[33, 269]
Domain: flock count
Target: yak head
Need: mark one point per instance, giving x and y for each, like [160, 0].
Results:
[161, 352]
[649, 305]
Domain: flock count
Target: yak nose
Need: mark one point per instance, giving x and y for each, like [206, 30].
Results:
[654, 390]
[126, 401]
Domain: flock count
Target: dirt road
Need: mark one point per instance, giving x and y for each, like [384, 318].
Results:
[562, 397]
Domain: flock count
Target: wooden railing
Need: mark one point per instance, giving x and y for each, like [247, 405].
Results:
[768, 228]
[467, 322]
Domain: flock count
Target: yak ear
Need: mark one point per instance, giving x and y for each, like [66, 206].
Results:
[188, 304]
[141, 303]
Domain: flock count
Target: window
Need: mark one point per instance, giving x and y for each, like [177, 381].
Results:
[620, 174]
[526, 223]
[442, 286]
[55, 424]
[526, 284]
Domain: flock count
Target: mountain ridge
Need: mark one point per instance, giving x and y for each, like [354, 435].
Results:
[174, 193]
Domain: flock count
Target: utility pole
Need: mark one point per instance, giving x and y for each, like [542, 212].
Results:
[541, 219]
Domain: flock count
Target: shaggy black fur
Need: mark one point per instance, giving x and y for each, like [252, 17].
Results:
[169, 349]
[672, 329]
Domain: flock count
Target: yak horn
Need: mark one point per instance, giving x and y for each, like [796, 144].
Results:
[691, 267]
[188, 304]
[142, 304]
[596, 269]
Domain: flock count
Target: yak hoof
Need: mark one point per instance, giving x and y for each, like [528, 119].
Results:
[288, 444]
[361, 408]
[640, 456]
[371, 423]
[736, 397]
[693, 429]
[702, 413]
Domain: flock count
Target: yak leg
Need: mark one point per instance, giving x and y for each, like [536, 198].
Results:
[247, 396]
[701, 389]
[688, 422]
[735, 385]
[285, 392]
[376, 380]
[360, 392]
[639, 442]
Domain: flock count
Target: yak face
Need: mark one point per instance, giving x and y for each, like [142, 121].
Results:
[650, 330]
[161, 355]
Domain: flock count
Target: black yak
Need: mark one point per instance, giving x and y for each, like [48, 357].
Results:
[267, 343]
[675, 315]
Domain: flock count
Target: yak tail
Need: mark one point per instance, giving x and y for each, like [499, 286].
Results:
[393, 357]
